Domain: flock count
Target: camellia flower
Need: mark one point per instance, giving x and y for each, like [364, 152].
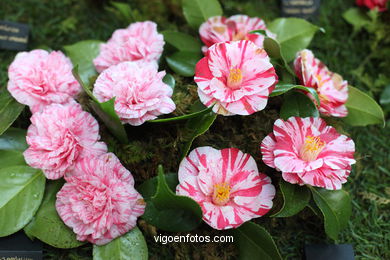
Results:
[140, 94]
[381, 5]
[235, 76]
[39, 78]
[227, 185]
[99, 201]
[238, 27]
[59, 136]
[331, 88]
[307, 151]
[139, 41]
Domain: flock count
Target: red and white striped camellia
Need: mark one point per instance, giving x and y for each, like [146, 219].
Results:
[307, 151]
[235, 76]
[237, 27]
[227, 185]
[331, 88]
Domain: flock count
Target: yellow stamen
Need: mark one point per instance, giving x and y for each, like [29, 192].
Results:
[221, 194]
[234, 79]
[311, 148]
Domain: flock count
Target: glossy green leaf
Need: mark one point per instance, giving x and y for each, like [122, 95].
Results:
[254, 242]
[293, 35]
[195, 127]
[10, 110]
[76, 75]
[282, 88]
[10, 158]
[82, 54]
[22, 190]
[197, 12]
[336, 208]
[183, 117]
[362, 109]
[356, 17]
[149, 187]
[295, 199]
[105, 111]
[169, 80]
[107, 114]
[132, 245]
[182, 41]
[183, 63]
[165, 209]
[298, 104]
[47, 226]
[385, 96]
[14, 139]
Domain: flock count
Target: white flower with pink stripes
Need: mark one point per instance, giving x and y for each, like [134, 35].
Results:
[238, 27]
[99, 201]
[227, 185]
[140, 94]
[307, 151]
[236, 77]
[331, 88]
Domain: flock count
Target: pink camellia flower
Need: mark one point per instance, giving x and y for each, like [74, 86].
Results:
[39, 78]
[227, 185]
[381, 5]
[59, 136]
[140, 94]
[99, 201]
[307, 151]
[139, 41]
[331, 88]
[238, 27]
[235, 76]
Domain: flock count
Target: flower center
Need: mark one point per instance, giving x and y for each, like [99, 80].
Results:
[311, 148]
[234, 79]
[221, 194]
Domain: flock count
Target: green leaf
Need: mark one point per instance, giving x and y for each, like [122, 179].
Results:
[183, 117]
[293, 35]
[166, 210]
[123, 11]
[336, 208]
[22, 190]
[282, 88]
[47, 226]
[149, 187]
[195, 127]
[107, 114]
[82, 54]
[132, 245]
[254, 242]
[169, 80]
[385, 96]
[10, 110]
[182, 41]
[197, 12]
[362, 109]
[183, 63]
[10, 158]
[295, 199]
[105, 111]
[298, 104]
[357, 18]
[13, 139]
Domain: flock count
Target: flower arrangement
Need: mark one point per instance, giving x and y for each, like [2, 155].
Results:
[68, 175]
